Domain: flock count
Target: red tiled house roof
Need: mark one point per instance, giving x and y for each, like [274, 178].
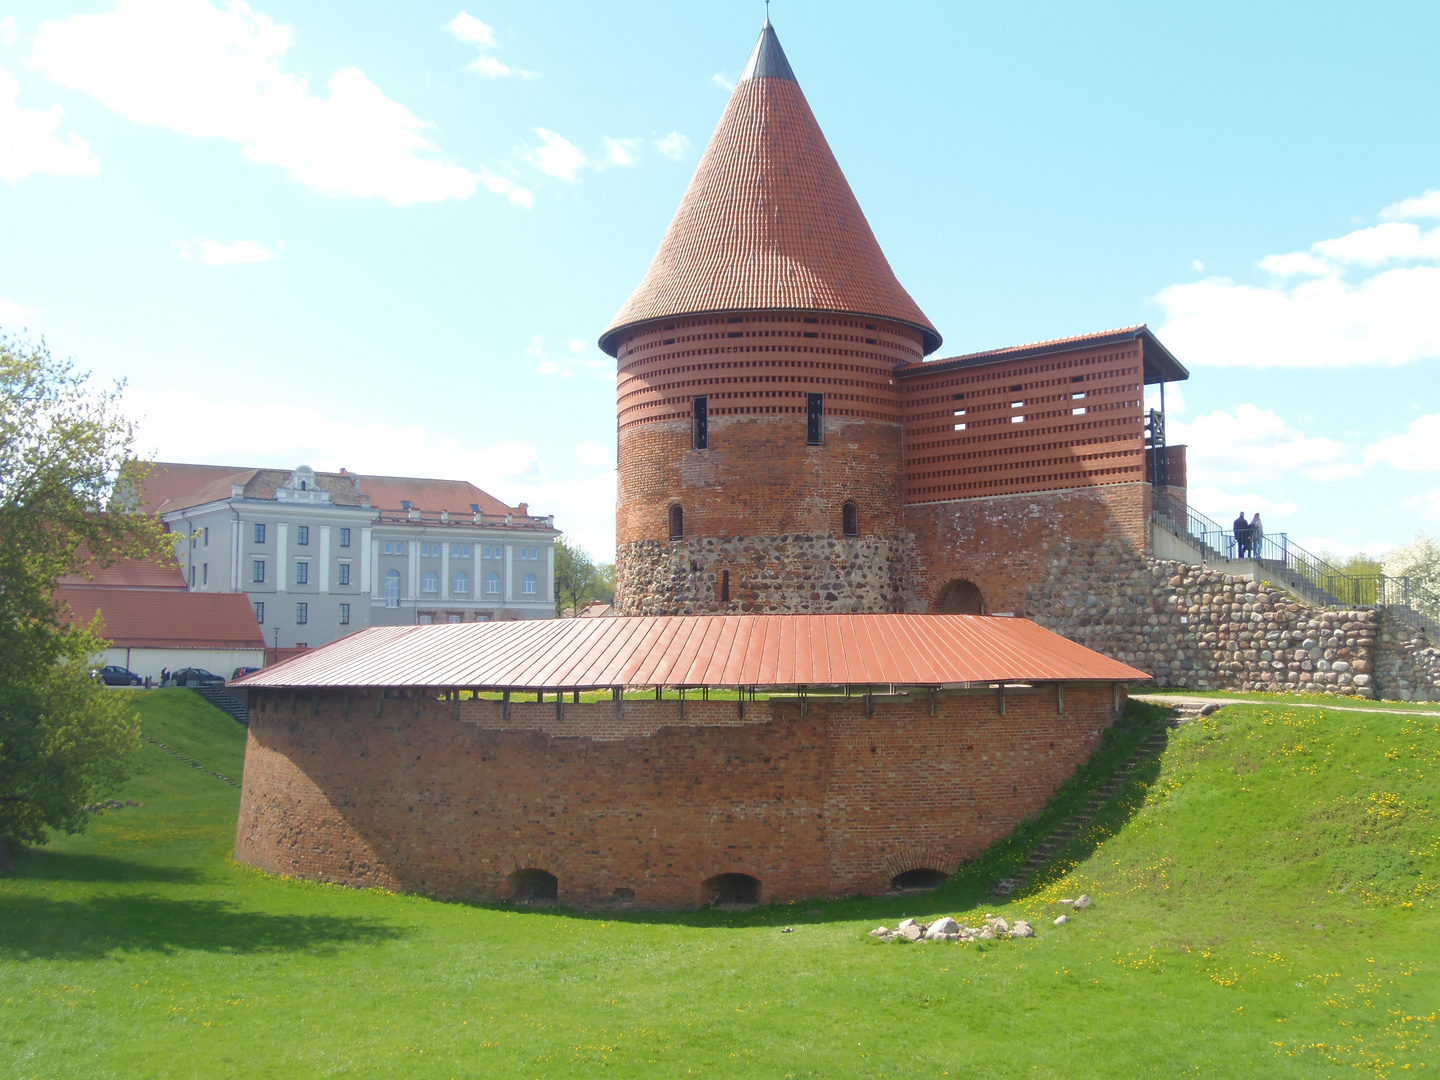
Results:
[165, 618]
[769, 221]
[387, 492]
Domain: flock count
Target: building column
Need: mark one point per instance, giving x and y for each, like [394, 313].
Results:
[550, 573]
[445, 571]
[324, 558]
[413, 547]
[235, 534]
[367, 561]
[282, 534]
[475, 591]
[509, 571]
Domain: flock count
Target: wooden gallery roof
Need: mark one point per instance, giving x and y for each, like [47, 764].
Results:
[699, 651]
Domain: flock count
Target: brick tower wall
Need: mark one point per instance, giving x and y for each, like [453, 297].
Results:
[758, 502]
[831, 803]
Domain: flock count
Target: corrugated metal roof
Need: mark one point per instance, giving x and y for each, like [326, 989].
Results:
[166, 618]
[700, 650]
[1160, 363]
[769, 223]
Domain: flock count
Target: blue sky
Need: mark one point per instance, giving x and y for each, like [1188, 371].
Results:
[386, 237]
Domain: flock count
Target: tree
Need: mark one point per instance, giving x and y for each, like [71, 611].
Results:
[64, 448]
[575, 577]
[1420, 562]
[604, 590]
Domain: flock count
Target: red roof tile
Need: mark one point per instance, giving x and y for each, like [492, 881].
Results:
[769, 221]
[164, 573]
[165, 618]
[387, 492]
[701, 650]
[169, 481]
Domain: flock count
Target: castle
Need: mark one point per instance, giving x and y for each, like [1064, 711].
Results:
[784, 445]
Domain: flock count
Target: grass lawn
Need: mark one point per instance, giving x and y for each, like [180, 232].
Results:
[1265, 905]
[1330, 701]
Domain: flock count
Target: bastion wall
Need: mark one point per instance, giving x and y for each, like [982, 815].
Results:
[452, 798]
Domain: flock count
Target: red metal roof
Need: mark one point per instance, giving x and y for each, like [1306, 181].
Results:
[769, 222]
[165, 618]
[700, 650]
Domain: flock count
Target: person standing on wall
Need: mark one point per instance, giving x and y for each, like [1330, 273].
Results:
[1257, 533]
[1241, 528]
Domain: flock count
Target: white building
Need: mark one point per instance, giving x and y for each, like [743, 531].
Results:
[321, 555]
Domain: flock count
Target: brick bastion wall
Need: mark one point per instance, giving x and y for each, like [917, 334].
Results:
[452, 798]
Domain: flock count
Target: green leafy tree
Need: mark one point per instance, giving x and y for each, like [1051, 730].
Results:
[575, 577]
[1420, 562]
[604, 590]
[64, 448]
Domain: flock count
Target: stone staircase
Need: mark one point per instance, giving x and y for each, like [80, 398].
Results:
[226, 701]
[1068, 829]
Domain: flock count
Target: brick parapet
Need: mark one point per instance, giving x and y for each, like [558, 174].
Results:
[422, 799]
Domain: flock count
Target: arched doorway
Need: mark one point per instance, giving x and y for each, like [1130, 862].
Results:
[732, 890]
[534, 886]
[959, 597]
[918, 879]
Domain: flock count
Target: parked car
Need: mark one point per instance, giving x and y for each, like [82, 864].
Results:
[196, 676]
[115, 675]
[243, 671]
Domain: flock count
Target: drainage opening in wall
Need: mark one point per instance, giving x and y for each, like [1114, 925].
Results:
[958, 597]
[918, 879]
[533, 887]
[731, 890]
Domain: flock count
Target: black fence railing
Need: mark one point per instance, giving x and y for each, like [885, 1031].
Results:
[1303, 571]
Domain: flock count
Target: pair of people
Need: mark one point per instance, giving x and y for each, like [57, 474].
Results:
[1248, 535]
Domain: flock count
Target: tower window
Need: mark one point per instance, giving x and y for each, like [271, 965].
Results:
[701, 422]
[850, 518]
[724, 586]
[814, 419]
[677, 522]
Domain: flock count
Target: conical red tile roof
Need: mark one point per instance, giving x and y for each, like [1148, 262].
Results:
[769, 221]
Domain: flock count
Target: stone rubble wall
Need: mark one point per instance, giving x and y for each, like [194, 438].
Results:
[784, 574]
[1407, 666]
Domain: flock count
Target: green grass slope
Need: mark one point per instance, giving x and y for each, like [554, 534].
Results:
[1265, 905]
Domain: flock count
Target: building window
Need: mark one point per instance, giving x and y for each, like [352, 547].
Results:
[814, 419]
[207, 536]
[344, 537]
[259, 533]
[677, 522]
[424, 620]
[260, 612]
[344, 614]
[454, 618]
[302, 535]
[430, 582]
[488, 551]
[302, 614]
[462, 583]
[257, 570]
[700, 422]
[527, 585]
[850, 518]
[205, 574]
[302, 573]
[492, 584]
[392, 588]
[724, 586]
[192, 577]
[344, 578]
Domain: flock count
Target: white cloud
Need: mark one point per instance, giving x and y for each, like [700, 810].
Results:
[1227, 451]
[7, 31]
[511, 190]
[1421, 206]
[197, 70]
[214, 253]
[1197, 266]
[1418, 450]
[13, 315]
[590, 452]
[621, 151]
[472, 31]
[1175, 403]
[723, 81]
[558, 157]
[1371, 296]
[674, 146]
[179, 426]
[566, 366]
[30, 143]
[576, 345]
[1221, 505]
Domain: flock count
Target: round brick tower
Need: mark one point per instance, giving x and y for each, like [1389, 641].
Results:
[759, 422]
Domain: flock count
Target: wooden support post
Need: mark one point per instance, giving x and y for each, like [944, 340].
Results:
[576, 699]
[869, 701]
[619, 694]
[505, 705]
[454, 704]
[658, 689]
[1000, 699]
[740, 703]
[682, 703]
[559, 706]
[933, 695]
[1059, 699]
[804, 701]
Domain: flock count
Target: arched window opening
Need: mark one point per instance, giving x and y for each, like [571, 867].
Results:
[533, 886]
[492, 584]
[527, 585]
[462, 583]
[430, 582]
[677, 522]
[732, 890]
[850, 518]
[919, 879]
[392, 589]
[959, 597]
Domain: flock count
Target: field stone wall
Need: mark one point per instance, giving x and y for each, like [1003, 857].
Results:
[1407, 666]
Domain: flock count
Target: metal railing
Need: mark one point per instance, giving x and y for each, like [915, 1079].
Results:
[1303, 571]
